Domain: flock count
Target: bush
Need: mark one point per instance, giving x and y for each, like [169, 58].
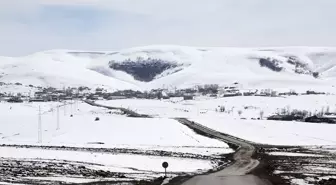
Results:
[222, 109]
[316, 74]
[296, 113]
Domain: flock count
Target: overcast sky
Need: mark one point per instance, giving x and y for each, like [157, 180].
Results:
[28, 26]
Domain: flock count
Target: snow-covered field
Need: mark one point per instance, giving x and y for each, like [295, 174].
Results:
[19, 124]
[203, 110]
[274, 132]
[114, 143]
[122, 163]
[250, 106]
[136, 146]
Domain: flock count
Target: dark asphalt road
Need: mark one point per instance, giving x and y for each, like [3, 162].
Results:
[236, 173]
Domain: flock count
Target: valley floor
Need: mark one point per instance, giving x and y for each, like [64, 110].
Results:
[97, 144]
[84, 149]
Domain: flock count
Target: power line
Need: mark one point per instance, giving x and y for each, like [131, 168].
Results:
[64, 105]
[71, 106]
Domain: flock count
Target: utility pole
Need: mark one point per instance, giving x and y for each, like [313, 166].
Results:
[58, 121]
[64, 105]
[39, 134]
[71, 110]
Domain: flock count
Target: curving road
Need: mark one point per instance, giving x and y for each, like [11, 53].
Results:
[236, 173]
[124, 110]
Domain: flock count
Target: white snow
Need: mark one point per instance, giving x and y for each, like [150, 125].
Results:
[19, 124]
[298, 182]
[274, 132]
[207, 66]
[203, 110]
[123, 163]
[251, 106]
[200, 66]
[321, 169]
[327, 177]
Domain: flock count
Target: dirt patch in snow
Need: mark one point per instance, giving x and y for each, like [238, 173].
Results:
[37, 171]
[310, 166]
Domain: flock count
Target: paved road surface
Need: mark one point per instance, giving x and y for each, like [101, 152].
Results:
[126, 111]
[235, 174]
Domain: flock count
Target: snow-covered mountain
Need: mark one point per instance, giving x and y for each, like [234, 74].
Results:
[175, 66]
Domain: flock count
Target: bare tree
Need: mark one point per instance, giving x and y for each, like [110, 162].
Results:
[322, 111]
[327, 109]
[261, 114]
[240, 112]
[222, 109]
[288, 110]
[283, 111]
[310, 114]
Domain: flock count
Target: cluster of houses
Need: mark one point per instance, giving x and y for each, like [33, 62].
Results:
[52, 94]
[43, 95]
[211, 90]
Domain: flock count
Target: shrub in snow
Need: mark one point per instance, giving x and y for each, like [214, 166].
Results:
[97, 119]
[289, 115]
[317, 119]
[302, 113]
[221, 109]
[322, 112]
[316, 74]
[294, 112]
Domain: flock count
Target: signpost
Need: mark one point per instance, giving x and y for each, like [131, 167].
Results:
[165, 166]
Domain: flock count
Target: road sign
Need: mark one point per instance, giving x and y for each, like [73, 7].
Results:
[165, 166]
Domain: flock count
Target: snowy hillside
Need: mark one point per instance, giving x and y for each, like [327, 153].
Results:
[175, 66]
